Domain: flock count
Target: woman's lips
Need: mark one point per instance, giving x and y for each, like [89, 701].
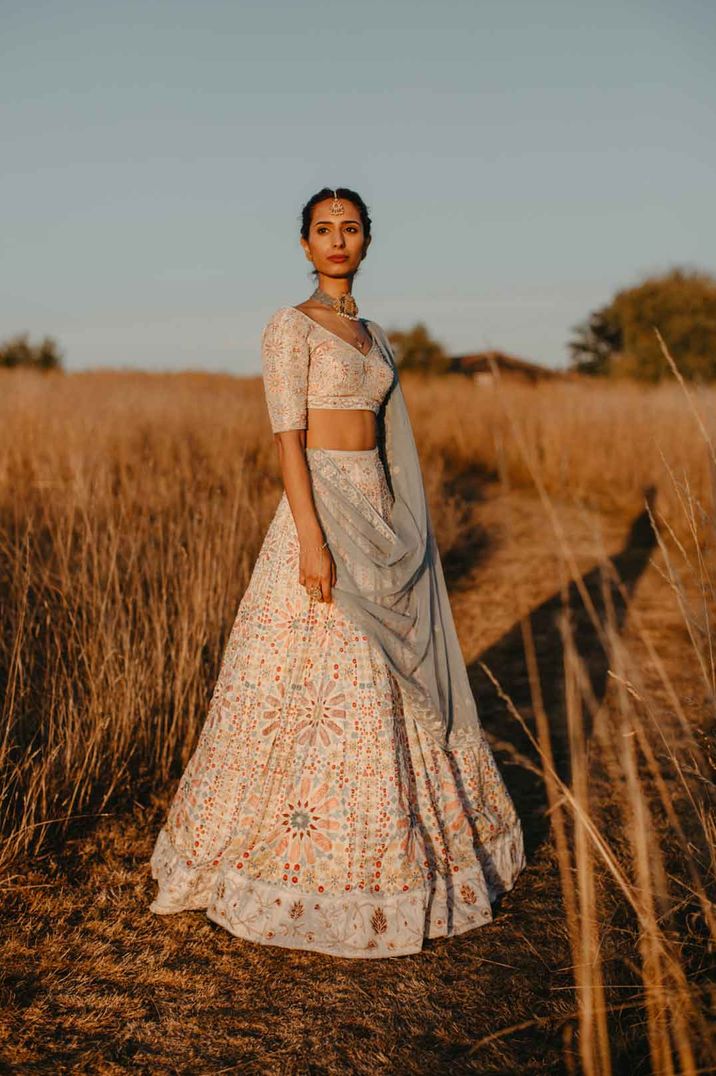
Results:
[338, 258]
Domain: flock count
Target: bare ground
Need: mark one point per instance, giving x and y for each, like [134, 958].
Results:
[94, 983]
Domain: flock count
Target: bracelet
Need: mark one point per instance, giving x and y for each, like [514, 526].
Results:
[315, 546]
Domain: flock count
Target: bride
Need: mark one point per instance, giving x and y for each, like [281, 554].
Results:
[342, 796]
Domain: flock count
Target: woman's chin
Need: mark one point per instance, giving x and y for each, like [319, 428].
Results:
[338, 272]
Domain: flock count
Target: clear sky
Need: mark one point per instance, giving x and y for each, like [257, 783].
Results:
[522, 160]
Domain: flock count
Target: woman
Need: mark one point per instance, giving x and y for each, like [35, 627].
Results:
[342, 796]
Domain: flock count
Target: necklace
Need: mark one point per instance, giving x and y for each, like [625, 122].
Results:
[345, 305]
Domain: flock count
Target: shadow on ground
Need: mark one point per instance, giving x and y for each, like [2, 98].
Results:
[467, 490]
[507, 663]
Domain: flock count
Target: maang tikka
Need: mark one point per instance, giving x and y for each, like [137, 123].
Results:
[337, 207]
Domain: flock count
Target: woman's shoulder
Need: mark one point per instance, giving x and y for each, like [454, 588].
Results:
[286, 319]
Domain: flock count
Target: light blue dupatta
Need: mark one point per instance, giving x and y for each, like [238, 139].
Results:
[389, 576]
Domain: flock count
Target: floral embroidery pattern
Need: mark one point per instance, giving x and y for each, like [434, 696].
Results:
[304, 824]
[305, 365]
[296, 910]
[321, 717]
[378, 921]
[315, 812]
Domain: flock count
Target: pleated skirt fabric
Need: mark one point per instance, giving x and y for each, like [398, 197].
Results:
[315, 813]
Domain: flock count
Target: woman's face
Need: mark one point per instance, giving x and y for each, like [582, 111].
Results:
[335, 245]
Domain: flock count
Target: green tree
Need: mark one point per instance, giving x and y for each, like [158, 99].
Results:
[415, 349]
[18, 351]
[619, 339]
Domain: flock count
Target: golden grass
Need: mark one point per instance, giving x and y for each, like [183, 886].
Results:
[641, 748]
[132, 508]
[596, 443]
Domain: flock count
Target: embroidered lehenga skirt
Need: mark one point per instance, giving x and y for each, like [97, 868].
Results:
[315, 812]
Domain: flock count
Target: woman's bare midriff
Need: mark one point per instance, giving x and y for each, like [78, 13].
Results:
[339, 428]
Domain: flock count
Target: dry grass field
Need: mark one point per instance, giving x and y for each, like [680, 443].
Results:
[577, 531]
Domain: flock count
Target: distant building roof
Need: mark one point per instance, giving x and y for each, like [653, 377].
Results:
[479, 363]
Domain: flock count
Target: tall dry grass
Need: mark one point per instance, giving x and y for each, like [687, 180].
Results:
[132, 508]
[131, 511]
[660, 859]
[596, 443]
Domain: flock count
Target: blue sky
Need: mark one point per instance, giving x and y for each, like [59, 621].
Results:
[521, 160]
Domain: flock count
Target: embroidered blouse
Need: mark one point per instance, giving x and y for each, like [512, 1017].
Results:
[306, 365]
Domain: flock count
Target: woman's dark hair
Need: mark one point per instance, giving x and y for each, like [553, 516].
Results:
[341, 192]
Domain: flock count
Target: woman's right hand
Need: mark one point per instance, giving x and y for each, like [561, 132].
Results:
[316, 567]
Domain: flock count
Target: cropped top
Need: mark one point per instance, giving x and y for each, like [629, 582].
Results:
[306, 365]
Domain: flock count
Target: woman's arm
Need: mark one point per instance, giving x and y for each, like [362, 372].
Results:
[316, 565]
[285, 370]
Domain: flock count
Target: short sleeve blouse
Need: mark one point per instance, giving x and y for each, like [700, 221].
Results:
[307, 366]
[285, 361]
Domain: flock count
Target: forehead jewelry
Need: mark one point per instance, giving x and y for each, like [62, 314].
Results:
[337, 207]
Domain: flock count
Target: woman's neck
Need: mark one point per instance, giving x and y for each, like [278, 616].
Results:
[335, 286]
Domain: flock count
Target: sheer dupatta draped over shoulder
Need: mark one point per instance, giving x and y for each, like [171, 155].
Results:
[389, 575]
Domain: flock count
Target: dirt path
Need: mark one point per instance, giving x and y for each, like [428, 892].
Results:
[95, 983]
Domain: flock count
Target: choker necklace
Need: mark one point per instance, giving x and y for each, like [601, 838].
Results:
[345, 305]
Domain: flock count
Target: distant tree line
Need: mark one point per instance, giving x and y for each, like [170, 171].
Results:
[18, 351]
[618, 340]
[415, 349]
